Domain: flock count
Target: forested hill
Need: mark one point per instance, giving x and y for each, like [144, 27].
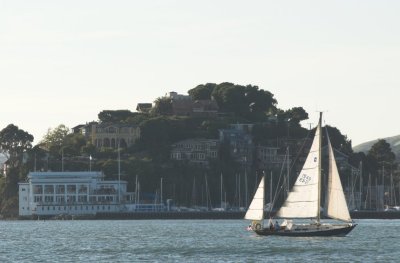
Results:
[394, 142]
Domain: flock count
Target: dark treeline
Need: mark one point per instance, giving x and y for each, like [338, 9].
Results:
[149, 158]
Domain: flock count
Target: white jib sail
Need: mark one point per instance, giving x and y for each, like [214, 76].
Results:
[336, 206]
[302, 201]
[256, 208]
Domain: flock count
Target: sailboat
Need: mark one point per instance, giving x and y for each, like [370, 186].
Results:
[304, 200]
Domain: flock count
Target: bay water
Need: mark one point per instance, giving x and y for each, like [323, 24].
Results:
[188, 241]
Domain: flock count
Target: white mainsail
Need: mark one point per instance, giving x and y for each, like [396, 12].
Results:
[256, 208]
[303, 199]
[336, 206]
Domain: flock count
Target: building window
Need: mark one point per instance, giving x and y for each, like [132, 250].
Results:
[37, 189]
[60, 189]
[71, 189]
[48, 199]
[82, 189]
[49, 189]
[60, 199]
[82, 198]
[71, 199]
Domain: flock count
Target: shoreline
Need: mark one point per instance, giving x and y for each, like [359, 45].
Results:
[208, 215]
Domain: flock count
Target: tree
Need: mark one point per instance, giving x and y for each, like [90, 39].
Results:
[382, 151]
[339, 141]
[14, 141]
[73, 143]
[296, 115]
[114, 116]
[162, 106]
[259, 100]
[244, 101]
[54, 138]
[202, 92]
[381, 154]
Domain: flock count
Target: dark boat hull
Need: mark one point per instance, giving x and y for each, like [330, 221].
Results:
[317, 232]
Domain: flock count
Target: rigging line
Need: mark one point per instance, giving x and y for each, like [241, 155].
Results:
[278, 189]
[301, 149]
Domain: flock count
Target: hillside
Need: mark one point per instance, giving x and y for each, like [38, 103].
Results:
[394, 142]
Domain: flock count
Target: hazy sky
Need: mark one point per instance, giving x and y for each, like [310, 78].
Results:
[65, 61]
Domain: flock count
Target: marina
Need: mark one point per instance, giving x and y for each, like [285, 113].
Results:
[86, 195]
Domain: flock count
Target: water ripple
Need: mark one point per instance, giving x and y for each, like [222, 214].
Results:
[187, 241]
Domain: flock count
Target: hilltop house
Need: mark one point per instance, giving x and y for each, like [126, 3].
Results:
[144, 107]
[114, 135]
[240, 142]
[109, 135]
[198, 151]
[184, 105]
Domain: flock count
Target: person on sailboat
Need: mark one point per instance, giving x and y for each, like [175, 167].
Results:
[271, 225]
[277, 226]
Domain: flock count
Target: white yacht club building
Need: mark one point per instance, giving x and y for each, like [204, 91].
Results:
[73, 193]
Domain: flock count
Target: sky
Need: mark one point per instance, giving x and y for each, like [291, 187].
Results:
[62, 62]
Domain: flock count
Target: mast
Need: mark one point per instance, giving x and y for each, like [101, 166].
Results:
[370, 189]
[287, 171]
[221, 191]
[245, 183]
[205, 177]
[361, 185]
[136, 191]
[119, 174]
[239, 191]
[161, 192]
[319, 168]
[270, 193]
[391, 188]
